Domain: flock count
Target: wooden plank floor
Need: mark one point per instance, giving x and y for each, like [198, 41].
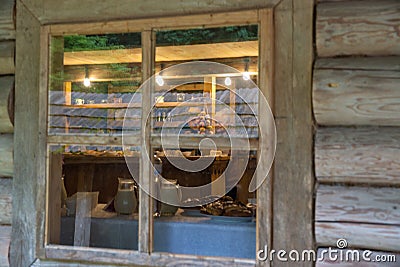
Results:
[5, 237]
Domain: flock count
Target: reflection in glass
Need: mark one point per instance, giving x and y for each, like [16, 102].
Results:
[99, 201]
[201, 186]
[92, 80]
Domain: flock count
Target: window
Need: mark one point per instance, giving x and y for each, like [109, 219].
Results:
[291, 72]
[202, 120]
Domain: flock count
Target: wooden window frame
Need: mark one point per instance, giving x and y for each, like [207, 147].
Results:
[280, 68]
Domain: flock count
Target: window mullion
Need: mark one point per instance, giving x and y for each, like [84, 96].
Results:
[145, 236]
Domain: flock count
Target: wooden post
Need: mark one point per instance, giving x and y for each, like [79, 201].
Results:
[68, 101]
[264, 192]
[55, 179]
[82, 219]
[146, 177]
[29, 189]
[293, 177]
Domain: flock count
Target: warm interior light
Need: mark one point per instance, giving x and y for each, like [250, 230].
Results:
[159, 80]
[228, 81]
[86, 82]
[246, 76]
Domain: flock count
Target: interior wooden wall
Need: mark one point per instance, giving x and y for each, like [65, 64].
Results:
[7, 70]
[356, 103]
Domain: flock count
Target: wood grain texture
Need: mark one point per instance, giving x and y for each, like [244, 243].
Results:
[7, 65]
[82, 219]
[146, 178]
[375, 256]
[5, 237]
[29, 179]
[358, 28]
[6, 155]
[165, 53]
[7, 19]
[5, 201]
[111, 257]
[6, 86]
[293, 180]
[131, 71]
[264, 192]
[358, 155]
[138, 25]
[359, 63]
[358, 235]
[50, 11]
[357, 91]
[358, 204]
[54, 210]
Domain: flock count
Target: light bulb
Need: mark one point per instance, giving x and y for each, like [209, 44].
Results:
[86, 82]
[246, 76]
[228, 81]
[159, 80]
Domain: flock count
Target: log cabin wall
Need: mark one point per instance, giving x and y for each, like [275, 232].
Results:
[356, 104]
[356, 100]
[7, 70]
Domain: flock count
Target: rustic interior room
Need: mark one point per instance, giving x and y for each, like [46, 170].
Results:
[102, 103]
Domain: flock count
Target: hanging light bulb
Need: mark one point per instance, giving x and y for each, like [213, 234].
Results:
[246, 74]
[86, 81]
[228, 81]
[159, 80]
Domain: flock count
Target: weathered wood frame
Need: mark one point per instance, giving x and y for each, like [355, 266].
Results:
[285, 210]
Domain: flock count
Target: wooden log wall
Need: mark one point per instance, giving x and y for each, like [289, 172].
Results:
[356, 105]
[365, 27]
[7, 70]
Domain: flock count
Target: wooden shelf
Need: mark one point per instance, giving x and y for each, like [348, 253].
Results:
[106, 105]
[175, 104]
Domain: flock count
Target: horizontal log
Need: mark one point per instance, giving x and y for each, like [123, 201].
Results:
[358, 155]
[5, 237]
[358, 28]
[7, 20]
[6, 86]
[6, 155]
[357, 91]
[358, 235]
[358, 204]
[5, 201]
[377, 259]
[359, 63]
[7, 51]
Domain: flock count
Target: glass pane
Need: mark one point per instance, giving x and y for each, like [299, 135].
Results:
[98, 206]
[93, 198]
[92, 81]
[204, 131]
